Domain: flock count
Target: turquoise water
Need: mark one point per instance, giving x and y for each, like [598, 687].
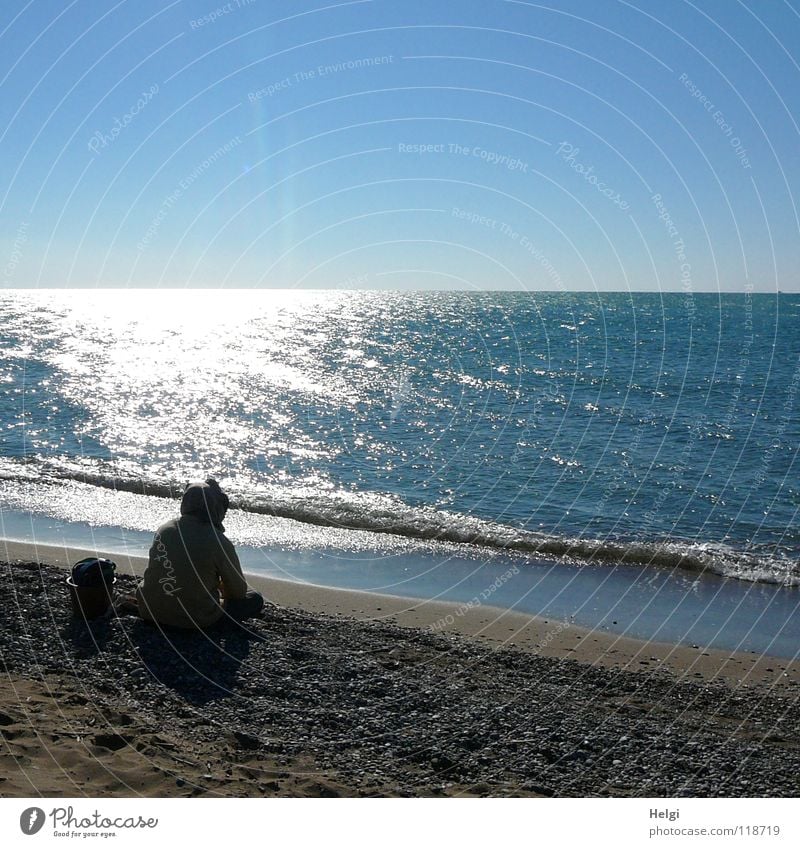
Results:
[659, 430]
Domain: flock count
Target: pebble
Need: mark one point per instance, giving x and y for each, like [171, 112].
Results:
[485, 720]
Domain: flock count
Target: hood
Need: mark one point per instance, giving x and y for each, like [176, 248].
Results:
[205, 501]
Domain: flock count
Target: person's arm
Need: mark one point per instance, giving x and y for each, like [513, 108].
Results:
[234, 585]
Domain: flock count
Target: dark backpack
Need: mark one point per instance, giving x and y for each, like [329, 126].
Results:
[91, 572]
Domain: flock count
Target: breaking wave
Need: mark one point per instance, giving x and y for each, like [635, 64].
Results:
[390, 515]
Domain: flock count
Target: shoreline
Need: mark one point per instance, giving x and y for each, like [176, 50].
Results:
[493, 626]
[650, 604]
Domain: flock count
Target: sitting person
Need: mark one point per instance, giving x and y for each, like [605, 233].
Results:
[194, 578]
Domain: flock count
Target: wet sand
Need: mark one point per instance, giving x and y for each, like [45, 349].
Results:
[497, 627]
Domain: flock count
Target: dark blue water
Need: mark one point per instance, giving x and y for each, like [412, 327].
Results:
[639, 427]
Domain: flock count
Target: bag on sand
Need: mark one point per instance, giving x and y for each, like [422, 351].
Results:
[92, 573]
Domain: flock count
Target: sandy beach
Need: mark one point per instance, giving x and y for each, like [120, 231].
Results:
[342, 693]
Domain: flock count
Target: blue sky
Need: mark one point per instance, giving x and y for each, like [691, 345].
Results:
[381, 144]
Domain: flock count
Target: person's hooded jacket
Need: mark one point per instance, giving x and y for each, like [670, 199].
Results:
[191, 561]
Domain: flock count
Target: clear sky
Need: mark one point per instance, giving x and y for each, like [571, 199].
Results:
[573, 144]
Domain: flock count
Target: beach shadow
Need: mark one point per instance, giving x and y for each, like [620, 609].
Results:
[91, 636]
[87, 637]
[198, 666]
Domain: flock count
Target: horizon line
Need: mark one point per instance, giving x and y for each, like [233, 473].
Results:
[752, 292]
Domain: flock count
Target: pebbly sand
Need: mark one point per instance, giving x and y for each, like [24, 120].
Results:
[341, 693]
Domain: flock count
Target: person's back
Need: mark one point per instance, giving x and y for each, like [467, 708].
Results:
[191, 561]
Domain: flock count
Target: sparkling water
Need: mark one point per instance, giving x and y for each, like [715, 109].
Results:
[657, 430]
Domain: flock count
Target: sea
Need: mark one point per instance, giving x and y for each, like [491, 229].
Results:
[626, 457]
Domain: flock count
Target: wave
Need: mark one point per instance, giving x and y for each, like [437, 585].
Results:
[385, 514]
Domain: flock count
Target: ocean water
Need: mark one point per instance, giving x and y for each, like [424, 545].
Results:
[593, 430]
